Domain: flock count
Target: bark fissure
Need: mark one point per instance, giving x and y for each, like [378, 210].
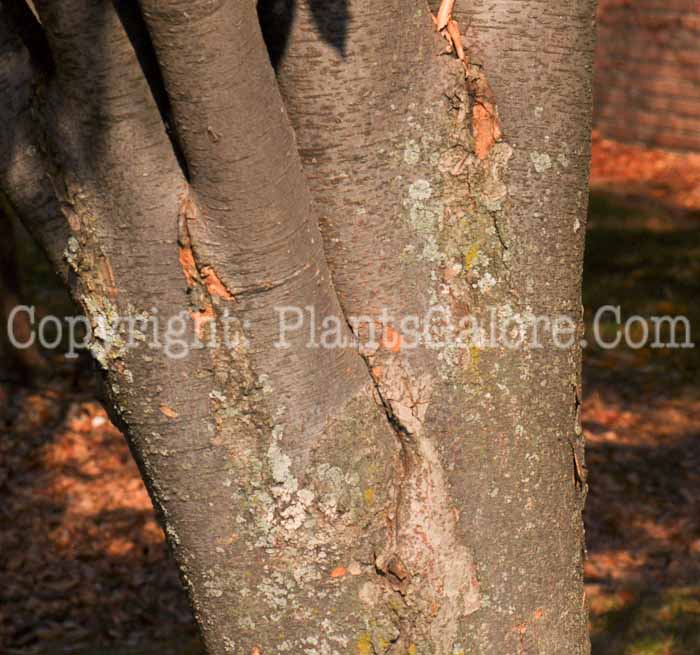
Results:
[424, 562]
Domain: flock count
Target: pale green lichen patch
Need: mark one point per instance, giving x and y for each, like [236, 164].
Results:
[420, 190]
[285, 483]
[71, 253]
[411, 153]
[492, 188]
[541, 161]
[102, 315]
[106, 343]
[455, 212]
[424, 216]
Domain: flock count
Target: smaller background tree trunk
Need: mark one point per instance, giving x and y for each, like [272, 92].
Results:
[647, 78]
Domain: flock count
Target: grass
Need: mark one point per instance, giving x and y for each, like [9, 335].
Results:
[648, 623]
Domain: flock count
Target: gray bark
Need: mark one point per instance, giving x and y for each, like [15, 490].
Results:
[372, 500]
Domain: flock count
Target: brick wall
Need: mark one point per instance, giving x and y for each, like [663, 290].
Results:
[647, 85]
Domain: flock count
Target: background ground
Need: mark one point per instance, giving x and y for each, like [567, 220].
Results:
[83, 566]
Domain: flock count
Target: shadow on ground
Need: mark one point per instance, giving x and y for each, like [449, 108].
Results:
[642, 423]
[83, 563]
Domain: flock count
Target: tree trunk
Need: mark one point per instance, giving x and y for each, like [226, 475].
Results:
[394, 497]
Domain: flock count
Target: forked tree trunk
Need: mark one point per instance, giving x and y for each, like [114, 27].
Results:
[385, 499]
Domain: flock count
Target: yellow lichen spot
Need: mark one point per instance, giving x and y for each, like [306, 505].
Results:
[474, 356]
[470, 256]
[412, 650]
[368, 495]
[470, 364]
[364, 645]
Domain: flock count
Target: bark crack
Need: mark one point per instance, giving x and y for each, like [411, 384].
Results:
[424, 560]
[196, 273]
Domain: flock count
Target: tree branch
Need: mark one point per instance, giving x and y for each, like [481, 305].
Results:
[253, 225]
[354, 112]
[25, 170]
